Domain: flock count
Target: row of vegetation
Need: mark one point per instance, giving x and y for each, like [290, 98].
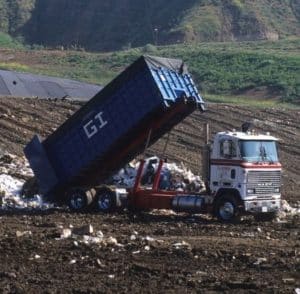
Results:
[218, 68]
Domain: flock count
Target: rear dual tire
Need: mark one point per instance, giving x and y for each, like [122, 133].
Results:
[80, 199]
[105, 201]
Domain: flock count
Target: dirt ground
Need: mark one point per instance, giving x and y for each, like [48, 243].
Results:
[156, 252]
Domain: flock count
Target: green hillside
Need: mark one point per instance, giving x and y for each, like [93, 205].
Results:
[264, 70]
[118, 24]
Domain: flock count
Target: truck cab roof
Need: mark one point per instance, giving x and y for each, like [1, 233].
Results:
[246, 136]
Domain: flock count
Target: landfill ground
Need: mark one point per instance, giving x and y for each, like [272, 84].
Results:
[157, 252]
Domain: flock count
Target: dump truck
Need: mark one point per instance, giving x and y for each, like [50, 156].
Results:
[241, 169]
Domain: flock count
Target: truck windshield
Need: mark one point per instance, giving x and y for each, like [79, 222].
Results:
[258, 151]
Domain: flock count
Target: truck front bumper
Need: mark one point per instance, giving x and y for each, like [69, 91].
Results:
[262, 206]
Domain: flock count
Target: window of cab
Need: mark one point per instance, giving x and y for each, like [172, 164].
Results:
[227, 148]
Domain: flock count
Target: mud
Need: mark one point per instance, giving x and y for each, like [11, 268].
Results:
[158, 251]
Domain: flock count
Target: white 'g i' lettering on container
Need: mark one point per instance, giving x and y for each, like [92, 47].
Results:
[93, 126]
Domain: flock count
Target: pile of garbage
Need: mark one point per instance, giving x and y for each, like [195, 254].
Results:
[11, 198]
[14, 171]
[17, 167]
[173, 177]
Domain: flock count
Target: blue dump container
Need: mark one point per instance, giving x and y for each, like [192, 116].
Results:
[111, 129]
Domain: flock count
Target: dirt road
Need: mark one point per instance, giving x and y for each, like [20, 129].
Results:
[158, 251]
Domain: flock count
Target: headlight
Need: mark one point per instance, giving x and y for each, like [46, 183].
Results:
[250, 191]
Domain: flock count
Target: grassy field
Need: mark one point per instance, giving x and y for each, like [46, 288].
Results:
[218, 68]
[250, 101]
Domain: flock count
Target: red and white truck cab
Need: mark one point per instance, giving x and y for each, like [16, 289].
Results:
[245, 171]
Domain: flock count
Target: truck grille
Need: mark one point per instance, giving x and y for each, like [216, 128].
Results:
[263, 182]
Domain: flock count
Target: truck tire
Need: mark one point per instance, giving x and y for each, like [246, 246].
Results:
[80, 199]
[106, 201]
[227, 209]
[265, 217]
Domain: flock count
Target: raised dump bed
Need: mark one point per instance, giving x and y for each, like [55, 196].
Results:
[111, 129]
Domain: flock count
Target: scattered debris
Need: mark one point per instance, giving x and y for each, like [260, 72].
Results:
[182, 245]
[163, 212]
[260, 260]
[99, 234]
[133, 237]
[36, 256]
[22, 234]
[288, 280]
[91, 240]
[66, 233]
[86, 235]
[100, 264]
[111, 241]
[149, 239]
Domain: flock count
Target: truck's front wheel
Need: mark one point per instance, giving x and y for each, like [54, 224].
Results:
[226, 209]
[106, 201]
[79, 199]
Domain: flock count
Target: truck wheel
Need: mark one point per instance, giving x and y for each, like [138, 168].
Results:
[79, 199]
[265, 217]
[226, 209]
[106, 201]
